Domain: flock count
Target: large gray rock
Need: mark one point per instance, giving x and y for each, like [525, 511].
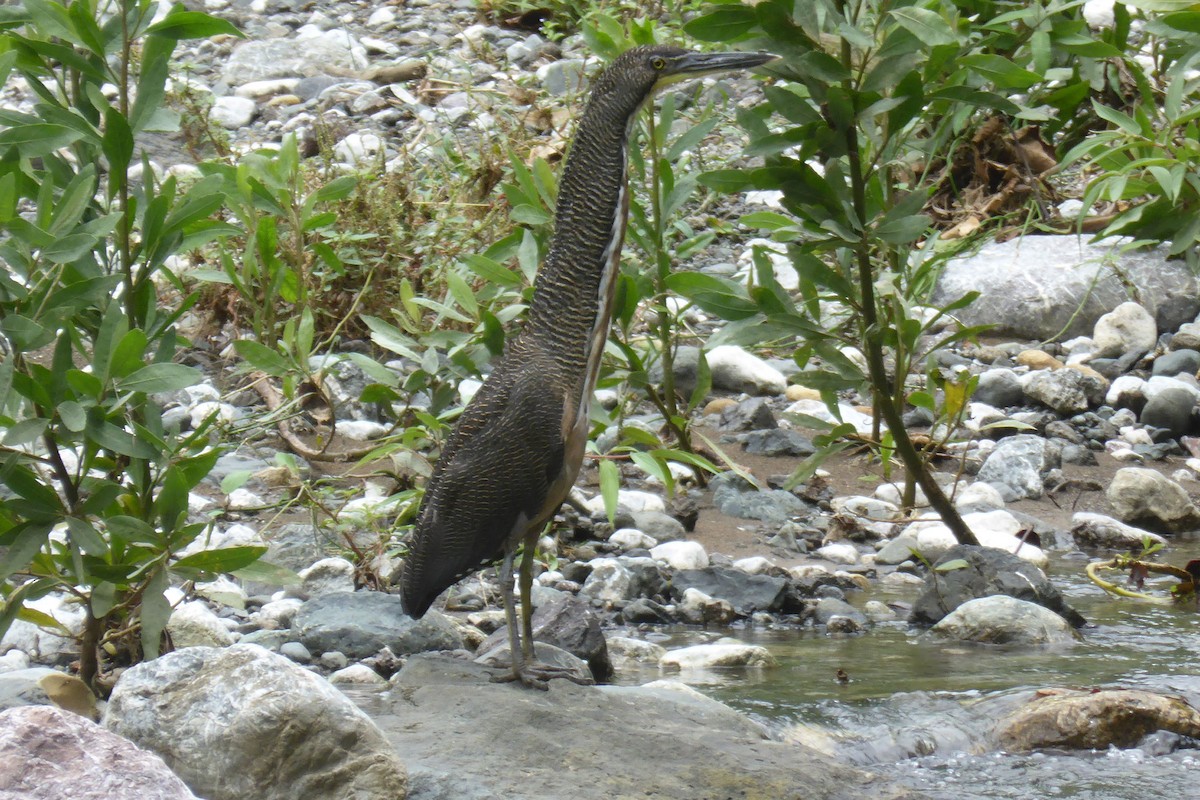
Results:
[1171, 410]
[987, 572]
[1000, 388]
[464, 738]
[360, 624]
[569, 624]
[1034, 287]
[1000, 619]
[1015, 467]
[1066, 391]
[746, 593]
[50, 754]
[1094, 720]
[1145, 498]
[283, 58]
[242, 722]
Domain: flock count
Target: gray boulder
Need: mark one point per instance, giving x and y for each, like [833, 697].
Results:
[243, 722]
[1145, 498]
[988, 571]
[570, 624]
[1015, 467]
[1171, 364]
[999, 388]
[1066, 391]
[1103, 532]
[1170, 410]
[360, 624]
[746, 593]
[464, 738]
[1035, 287]
[1000, 619]
[49, 754]
[282, 58]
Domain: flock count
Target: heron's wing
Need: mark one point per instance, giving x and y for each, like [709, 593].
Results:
[492, 481]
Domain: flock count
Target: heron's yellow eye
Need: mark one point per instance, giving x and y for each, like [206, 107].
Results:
[659, 62]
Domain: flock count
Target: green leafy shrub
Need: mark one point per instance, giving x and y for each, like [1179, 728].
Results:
[95, 484]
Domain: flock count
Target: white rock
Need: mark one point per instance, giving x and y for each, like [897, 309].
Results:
[1128, 328]
[224, 412]
[869, 507]
[361, 430]
[357, 675]
[259, 89]
[232, 111]
[802, 571]
[978, 494]
[630, 499]
[1129, 386]
[359, 149]
[838, 553]
[1000, 619]
[815, 408]
[754, 565]
[681, 555]
[623, 648]
[897, 550]
[781, 263]
[698, 608]
[632, 539]
[893, 494]
[224, 591]
[992, 528]
[327, 576]
[242, 498]
[609, 581]
[193, 624]
[1099, 13]
[1098, 530]
[277, 614]
[739, 370]
[381, 16]
[41, 645]
[901, 580]
[1157, 384]
[14, 660]
[467, 388]
[706, 656]
[878, 612]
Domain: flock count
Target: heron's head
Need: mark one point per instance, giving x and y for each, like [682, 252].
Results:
[640, 71]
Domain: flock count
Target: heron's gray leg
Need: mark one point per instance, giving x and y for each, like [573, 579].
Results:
[515, 645]
[529, 545]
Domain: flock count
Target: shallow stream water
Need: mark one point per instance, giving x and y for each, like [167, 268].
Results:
[919, 710]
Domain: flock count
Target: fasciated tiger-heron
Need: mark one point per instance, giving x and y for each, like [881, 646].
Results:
[517, 448]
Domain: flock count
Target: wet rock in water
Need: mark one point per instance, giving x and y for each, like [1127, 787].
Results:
[988, 572]
[697, 608]
[707, 656]
[999, 529]
[47, 753]
[626, 651]
[830, 607]
[645, 610]
[1100, 531]
[1000, 388]
[461, 736]
[778, 442]
[1015, 467]
[838, 553]
[1064, 282]
[1128, 328]
[746, 593]
[1000, 619]
[1172, 409]
[242, 722]
[1095, 720]
[570, 624]
[610, 581]
[1143, 497]
[360, 624]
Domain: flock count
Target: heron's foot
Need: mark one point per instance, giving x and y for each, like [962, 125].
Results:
[538, 676]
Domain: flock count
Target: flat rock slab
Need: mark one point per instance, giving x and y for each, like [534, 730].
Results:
[464, 738]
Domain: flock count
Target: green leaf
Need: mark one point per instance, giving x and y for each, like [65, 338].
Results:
[337, 189]
[492, 271]
[724, 24]
[1003, 72]
[154, 611]
[39, 139]
[181, 24]
[903, 230]
[928, 26]
[86, 537]
[131, 530]
[155, 378]
[24, 543]
[226, 559]
[1121, 120]
[719, 296]
[25, 431]
[951, 566]
[265, 572]
[235, 480]
[119, 441]
[262, 357]
[610, 486]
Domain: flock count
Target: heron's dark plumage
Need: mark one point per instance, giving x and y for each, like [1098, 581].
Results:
[518, 446]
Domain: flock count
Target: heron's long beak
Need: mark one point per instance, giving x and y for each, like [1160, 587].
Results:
[694, 64]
